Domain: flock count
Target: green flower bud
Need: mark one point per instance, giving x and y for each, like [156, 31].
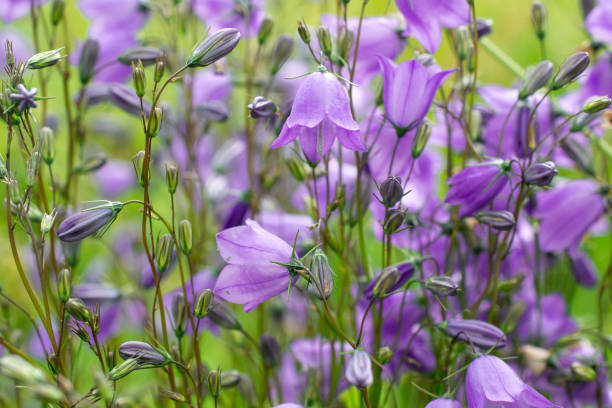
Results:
[47, 144]
[139, 79]
[512, 284]
[514, 316]
[304, 32]
[146, 55]
[33, 168]
[296, 168]
[385, 281]
[48, 393]
[264, 30]
[44, 59]
[179, 314]
[214, 383]
[47, 222]
[582, 372]
[156, 121]
[15, 191]
[597, 104]
[172, 176]
[230, 379]
[160, 66]
[57, 11]
[91, 163]
[536, 78]
[393, 221]
[138, 162]
[463, 42]
[281, 53]
[164, 252]
[538, 19]
[64, 285]
[77, 309]
[185, 237]
[88, 60]
[124, 369]
[214, 47]
[321, 274]
[345, 43]
[174, 396]
[203, 303]
[324, 38]
[383, 355]
[420, 139]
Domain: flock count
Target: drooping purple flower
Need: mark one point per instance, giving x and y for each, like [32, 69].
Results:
[408, 90]
[583, 269]
[491, 382]
[443, 403]
[475, 332]
[599, 22]
[566, 214]
[320, 113]
[251, 276]
[476, 186]
[24, 98]
[425, 19]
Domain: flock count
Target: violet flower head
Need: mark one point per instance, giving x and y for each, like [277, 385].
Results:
[443, 403]
[24, 98]
[491, 382]
[252, 276]
[320, 113]
[408, 91]
[425, 19]
[94, 221]
[476, 186]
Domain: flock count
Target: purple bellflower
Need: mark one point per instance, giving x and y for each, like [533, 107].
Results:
[24, 98]
[491, 382]
[246, 16]
[426, 17]
[476, 186]
[252, 276]
[443, 403]
[408, 90]
[320, 113]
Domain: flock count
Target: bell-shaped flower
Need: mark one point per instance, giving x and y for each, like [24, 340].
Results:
[321, 112]
[443, 403]
[254, 272]
[408, 91]
[491, 382]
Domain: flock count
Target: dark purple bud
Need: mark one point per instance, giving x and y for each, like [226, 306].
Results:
[484, 27]
[540, 174]
[571, 69]
[88, 222]
[88, 60]
[499, 220]
[359, 370]
[521, 137]
[126, 99]
[536, 78]
[579, 155]
[442, 285]
[270, 350]
[584, 270]
[143, 352]
[214, 47]
[262, 107]
[389, 280]
[216, 111]
[476, 332]
[281, 53]
[146, 55]
[221, 315]
[391, 191]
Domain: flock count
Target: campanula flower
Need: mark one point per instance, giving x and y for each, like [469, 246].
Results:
[321, 112]
[408, 91]
[24, 98]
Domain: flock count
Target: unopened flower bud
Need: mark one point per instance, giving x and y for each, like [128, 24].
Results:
[393, 221]
[45, 59]
[262, 107]
[420, 139]
[442, 285]
[126, 99]
[163, 252]
[359, 370]
[221, 315]
[138, 78]
[270, 350]
[540, 174]
[538, 19]
[514, 316]
[214, 47]
[463, 42]
[47, 144]
[124, 369]
[18, 369]
[156, 121]
[160, 66]
[296, 168]
[582, 120]
[33, 168]
[172, 176]
[88, 60]
[281, 53]
[138, 163]
[64, 285]
[391, 191]
[512, 284]
[174, 396]
[57, 11]
[383, 355]
[303, 32]
[89, 222]
[203, 303]
[264, 30]
[582, 372]
[597, 104]
[214, 383]
[15, 191]
[185, 236]
[179, 314]
[386, 282]
[47, 222]
[77, 309]
[325, 42]
[230, 379]
[144, 353]
[321, 274]
[500, 220]
[579, 155]
[536, 78]
[91, 163]
[571, 69]
[476, 332]
[345, 44]
[146, 55]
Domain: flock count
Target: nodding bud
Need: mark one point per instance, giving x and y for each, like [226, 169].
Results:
[221, 315]
[536, 78]
[146, 55]
[583, 270]
[270, 350]
[281, 53]
[47, 144]
[442, 285]
[156, 121]
[384, 354]
[325, 42]
[264, 30]
[144, 353]
[476, 332]
[230, 379]
[214, 47]
[582, 372]
[540, 174]
[214, 383]
[139, 79]
[88, 60]
[123, 369]
[538, 19]
[391, 191]
[303, 32]
[582, 120]
[386, 282]
[359, 370]
[596, 104]
[261, 107]
[421, 138]
[321, 274]
[45, 59]
[57, 11]
[138, 162]
[203, 303]
[77, 309]
[89, 222]
[18, 369]
[163, 252]
[393, 221]
[160, 67]
[499, 220]
[172, 176]
[64, 285]
[463, 42]
[185, 236]
[33, 168]
[571, 69]
[579, 155]
[126, 99]
[179, 314]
